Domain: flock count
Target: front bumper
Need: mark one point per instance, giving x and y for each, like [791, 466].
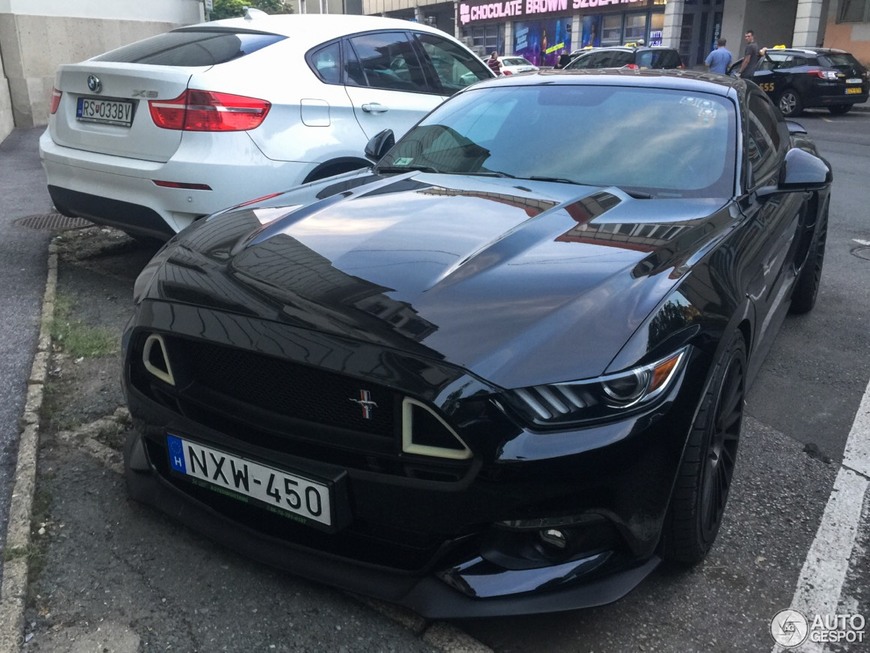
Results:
[430, 595]
[444, 539]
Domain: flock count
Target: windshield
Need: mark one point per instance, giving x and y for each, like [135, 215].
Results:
[660, 142]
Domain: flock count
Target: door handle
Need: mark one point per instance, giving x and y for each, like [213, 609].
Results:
[374, 107]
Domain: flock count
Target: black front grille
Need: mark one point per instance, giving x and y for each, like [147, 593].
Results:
[281, 406]
[291, 390]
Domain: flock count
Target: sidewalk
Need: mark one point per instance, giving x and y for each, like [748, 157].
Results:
[24, 347]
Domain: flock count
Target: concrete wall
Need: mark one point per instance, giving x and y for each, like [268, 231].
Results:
[6, 121]
[38, 35]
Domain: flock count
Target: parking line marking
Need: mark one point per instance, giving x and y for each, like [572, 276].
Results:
[824, 572]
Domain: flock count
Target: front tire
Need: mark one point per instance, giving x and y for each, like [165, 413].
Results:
[790, 103]
[806, 288]
[704, 479]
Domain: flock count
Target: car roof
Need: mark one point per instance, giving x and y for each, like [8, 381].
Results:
[620, 48]
[675, 79]
[314, 27]
[807, 51]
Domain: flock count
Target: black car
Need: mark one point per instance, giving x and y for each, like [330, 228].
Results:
[625, 56]
[801, 78]
[503, 371]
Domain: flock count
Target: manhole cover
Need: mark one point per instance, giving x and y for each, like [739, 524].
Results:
[53, 222]
[862, 252]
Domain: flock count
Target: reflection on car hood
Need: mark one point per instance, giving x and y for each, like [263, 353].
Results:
[519, 282]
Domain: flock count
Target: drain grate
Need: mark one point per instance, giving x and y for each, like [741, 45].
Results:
[53, 222]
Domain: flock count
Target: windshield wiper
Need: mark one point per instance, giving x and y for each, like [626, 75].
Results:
[491, 173]
[636, 194]
[560, 180]
[380, 169]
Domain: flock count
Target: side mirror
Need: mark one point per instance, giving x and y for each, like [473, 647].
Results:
[801, 171]
[379, 145]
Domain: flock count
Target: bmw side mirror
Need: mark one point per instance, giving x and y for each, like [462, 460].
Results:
[379, 145]
[801, 171]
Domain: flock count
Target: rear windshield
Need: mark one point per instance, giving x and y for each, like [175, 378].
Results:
[191, 48]
[839, 60]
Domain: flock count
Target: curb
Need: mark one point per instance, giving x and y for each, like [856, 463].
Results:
[17, 550]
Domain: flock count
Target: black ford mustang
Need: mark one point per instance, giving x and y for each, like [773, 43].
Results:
[503, 371]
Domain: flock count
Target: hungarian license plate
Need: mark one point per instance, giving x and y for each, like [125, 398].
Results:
[853, 91]
[110, 112]
[279, 489]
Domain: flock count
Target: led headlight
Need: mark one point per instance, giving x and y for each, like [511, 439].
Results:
[610, 396]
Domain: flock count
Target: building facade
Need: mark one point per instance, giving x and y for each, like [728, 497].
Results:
[541, 30]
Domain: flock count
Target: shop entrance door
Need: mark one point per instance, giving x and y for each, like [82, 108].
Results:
[702, 25]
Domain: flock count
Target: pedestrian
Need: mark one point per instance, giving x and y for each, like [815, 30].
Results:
[750, 56]
[719, 60]
[493, 62]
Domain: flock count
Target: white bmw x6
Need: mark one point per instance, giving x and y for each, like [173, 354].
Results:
[152, 135]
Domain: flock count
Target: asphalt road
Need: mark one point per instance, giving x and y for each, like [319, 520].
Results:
[119, 575]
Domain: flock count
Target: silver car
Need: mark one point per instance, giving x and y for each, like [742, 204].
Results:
[152, 135]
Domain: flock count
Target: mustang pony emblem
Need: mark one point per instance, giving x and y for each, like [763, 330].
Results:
[365, 402]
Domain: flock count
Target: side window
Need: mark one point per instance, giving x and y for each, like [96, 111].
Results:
[387, 60]
[619, 59]
[325, 62]
[671, 59]
[589, 61]
[450, 66]
[763, 138]
[646, 59]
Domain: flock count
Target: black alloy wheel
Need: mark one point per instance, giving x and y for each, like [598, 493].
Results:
[790, 103]
[806, 289]
[704, 479]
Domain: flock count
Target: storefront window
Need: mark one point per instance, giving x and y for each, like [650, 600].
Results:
[487, 38]
[611, 29]
[590, 31]
[542, 42]
[656, 28]
[635, 28]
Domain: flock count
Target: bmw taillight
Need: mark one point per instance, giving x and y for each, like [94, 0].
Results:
[208, 111]
[55, 101]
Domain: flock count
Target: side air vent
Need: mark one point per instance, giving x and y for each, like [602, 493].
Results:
[424, 433]
[156, 360]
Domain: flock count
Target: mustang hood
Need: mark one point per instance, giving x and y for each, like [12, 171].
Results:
[519, 282]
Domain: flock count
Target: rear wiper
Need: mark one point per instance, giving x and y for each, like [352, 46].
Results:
[380, 169]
